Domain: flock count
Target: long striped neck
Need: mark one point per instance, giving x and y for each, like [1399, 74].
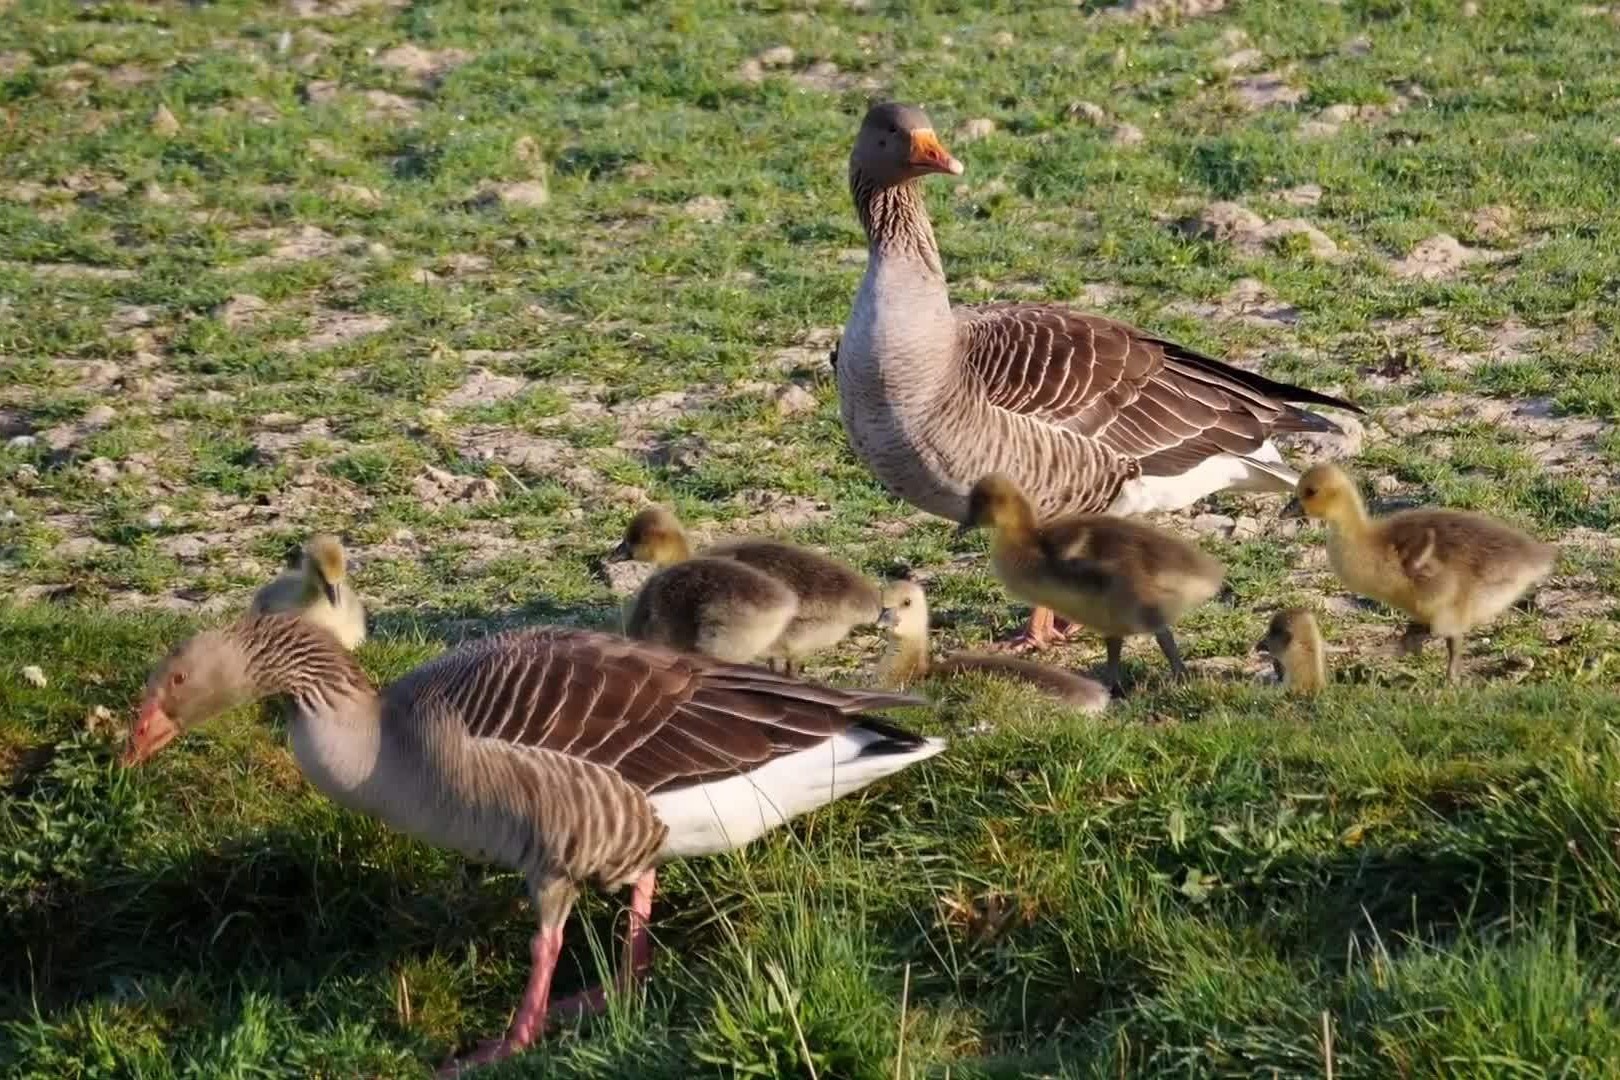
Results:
[896, 221]
[285, 656]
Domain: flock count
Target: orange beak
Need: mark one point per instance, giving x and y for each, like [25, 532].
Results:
[152, 732]
[930, 156]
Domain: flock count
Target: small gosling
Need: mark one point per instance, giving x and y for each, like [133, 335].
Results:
[1449, 570]
[905, 617]
[1297, 655]
[833, 598]
[1119, 577]
[716, 607]
[317, 589]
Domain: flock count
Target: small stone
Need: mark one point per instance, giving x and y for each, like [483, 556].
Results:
[1003, 39]
[1088, 111]
[185, 548]
[240, 310]
[1214, 523]
[1265, 90]
[21, 442]
[979, 128]
[99, 416]
[1470, 9]
[1127, 135]
[102, 471]
[531, 194]
[778, 56]
[1240, 60]
[34, 676]
[794, 400]
[705, 208]
[156, 516]
[164, 123]
[1246, 528]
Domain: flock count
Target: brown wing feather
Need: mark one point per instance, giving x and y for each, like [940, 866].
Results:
[1153, 401]
[661, 719]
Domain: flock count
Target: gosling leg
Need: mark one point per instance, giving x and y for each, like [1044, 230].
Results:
[1111, 671]
[1167, 643]
[1453, 659]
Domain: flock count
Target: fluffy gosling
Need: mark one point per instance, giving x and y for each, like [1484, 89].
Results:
[833, 598]
[1294, 644]
[1118, 576]
[716, 607]
[317, 589]
[1449, 570]
[905, 617]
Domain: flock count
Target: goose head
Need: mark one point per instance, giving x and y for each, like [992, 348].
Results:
[996, 502]
[905, 611]
[202, 678]
[654, 535]
[897, 144]
[1327, 492]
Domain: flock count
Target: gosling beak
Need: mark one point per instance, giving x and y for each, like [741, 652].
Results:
[152, 732]
[930, 155]
[1262, 646]
[1294, 509]
[331, 590]
[620, 553]
[887, 618]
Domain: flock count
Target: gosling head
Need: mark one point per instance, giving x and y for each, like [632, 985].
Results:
[1287, 626]
[654, 535]
[905, 610]
[996, 502]
[201, 678]
[897, 144]
[323, 561]
[1327, 492]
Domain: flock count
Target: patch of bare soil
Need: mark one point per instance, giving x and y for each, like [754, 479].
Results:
[1328, 122]
[484, 387]
[1439, 257]
[1248, 301]
[1266, 90]
[328, 329]
[1559, 444]
[1155, 12]
[423, 65]
[1251, 234]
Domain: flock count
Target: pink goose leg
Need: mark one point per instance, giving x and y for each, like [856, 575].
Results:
[531, 1014]
[1043, 628]
[636, 957]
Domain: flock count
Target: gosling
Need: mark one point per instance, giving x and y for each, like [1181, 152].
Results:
[1448, 570]
[1117, 576]
[833, 598]
[905, 617]
[317, 590]
[716, 607]
[1294, 644]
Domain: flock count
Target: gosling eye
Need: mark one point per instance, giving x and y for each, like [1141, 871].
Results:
[1310, 493]
[905, 603]
[893, 130]
[176, 678]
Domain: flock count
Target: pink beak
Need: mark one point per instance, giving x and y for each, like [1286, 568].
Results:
[152, 732]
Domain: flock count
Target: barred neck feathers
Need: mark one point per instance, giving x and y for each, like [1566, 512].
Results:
[286, 656]
[896, 222]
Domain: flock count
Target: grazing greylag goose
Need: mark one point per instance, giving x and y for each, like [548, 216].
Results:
[1449, 570]
[905, 616]
[833, 597]
[317, 590]
[1298, 656]
[716, 607]
[1086, 413]
[1119, 577]
[570, 755]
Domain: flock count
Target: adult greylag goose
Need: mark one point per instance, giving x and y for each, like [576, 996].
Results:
[905, 617]
[1119, 577]
[318, 590]
[833, 597]
[570, 755]
[1085, 413]
[1449, 570]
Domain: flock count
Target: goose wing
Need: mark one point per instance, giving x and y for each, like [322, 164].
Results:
[1150, 400]
[661, 719]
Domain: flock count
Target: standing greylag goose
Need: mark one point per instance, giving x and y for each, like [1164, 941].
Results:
[570, 755]
[1449, 570]
[316, 589]
[833, 597]
[905, 616]
[1085, 413]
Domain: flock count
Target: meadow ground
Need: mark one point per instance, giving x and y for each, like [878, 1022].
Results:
[467, 283]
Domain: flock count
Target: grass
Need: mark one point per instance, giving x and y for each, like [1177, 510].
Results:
[1186, 887]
